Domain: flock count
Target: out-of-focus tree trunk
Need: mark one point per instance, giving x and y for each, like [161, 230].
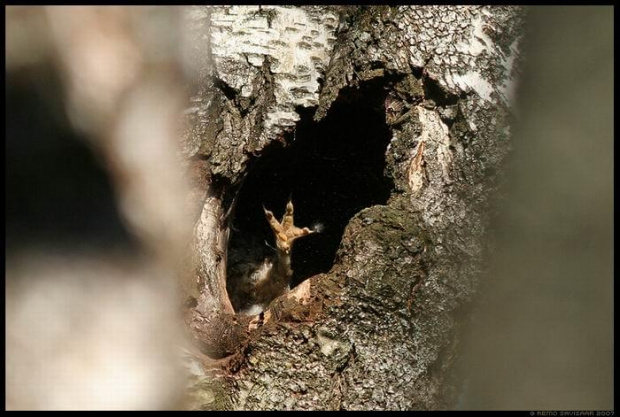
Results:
[96, 222]
[378, 327]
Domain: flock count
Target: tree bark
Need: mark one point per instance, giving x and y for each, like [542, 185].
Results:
[378, 329]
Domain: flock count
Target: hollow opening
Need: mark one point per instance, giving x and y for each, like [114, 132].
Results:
[331, 169]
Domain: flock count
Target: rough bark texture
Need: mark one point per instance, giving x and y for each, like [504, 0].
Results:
[379, 330]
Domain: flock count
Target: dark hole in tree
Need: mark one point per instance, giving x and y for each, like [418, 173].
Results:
[331, 169]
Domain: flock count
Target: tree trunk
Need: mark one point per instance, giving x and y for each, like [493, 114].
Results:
[387, 125]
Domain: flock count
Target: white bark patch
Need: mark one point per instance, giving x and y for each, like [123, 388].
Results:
[436, 132]
[481, 43]
[416, 173]
[474, 81]
[448, 42]
[507, 90]
[208, 225]
[298, 45]
[210, 244]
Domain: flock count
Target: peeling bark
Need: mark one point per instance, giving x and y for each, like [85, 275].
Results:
[379, 329]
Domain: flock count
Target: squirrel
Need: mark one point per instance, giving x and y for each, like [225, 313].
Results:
[257, 288]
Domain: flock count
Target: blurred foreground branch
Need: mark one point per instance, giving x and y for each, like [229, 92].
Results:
[95, 106]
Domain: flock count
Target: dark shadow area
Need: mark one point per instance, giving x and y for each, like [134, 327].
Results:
[331, 169]
[57, 192]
